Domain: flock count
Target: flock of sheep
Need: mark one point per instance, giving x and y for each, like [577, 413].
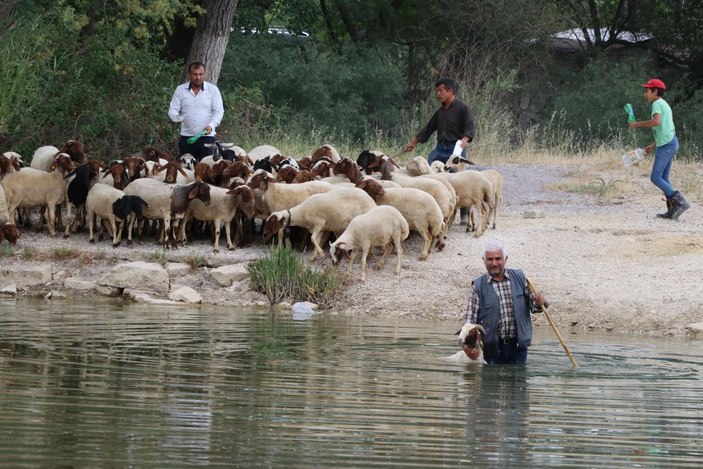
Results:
[372, 202]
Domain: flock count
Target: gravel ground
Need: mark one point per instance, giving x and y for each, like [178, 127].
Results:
[603, 266]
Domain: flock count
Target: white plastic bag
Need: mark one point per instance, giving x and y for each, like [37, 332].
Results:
[457, 148]
[633, 157]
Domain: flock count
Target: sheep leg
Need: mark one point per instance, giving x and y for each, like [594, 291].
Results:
[130, 225]
[398, 253]
[483, 223]
[58, 223]
[228, 235]
[386, 252]
[352, 258]
[427, 236]
[497, 201]
[115, 237]
[51, 212]
[182, 237]
[364, 254]
[315, 238]
[216, 245]
[91, 222]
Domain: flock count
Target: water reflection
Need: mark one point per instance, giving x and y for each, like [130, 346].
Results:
[121, 385]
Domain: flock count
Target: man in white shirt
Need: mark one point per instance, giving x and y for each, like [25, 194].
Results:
[197, 105]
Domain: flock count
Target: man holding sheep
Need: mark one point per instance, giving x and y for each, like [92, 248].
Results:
[453, 121]
[500, 301]
[197, 106]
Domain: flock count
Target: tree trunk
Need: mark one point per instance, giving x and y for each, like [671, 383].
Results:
[211, 36]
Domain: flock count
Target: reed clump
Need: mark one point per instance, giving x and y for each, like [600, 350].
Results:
[282, 275]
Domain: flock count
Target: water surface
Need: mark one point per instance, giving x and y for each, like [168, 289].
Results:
[108, 384]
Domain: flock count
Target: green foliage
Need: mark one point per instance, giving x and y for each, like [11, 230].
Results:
[195, 261]
[587, 103]
[7, 250]
[64, 253]
[159, 257]
[281, 275]
[345, 93]
[92, 74]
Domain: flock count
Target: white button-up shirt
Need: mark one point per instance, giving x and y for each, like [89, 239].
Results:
[196, 111]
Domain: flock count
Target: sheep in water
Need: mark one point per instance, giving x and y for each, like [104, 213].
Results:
[382, 226]
[471, 343]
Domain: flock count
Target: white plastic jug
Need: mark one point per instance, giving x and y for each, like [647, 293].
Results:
[457, 148]
[633, 157]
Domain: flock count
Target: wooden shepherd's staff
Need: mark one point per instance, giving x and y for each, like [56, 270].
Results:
[532, 288]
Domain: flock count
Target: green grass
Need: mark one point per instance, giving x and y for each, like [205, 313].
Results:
[64, 253]
[195, 261]
[7, 250]
[160, 257]
[281, 275]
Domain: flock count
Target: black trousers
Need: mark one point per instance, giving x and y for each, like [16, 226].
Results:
[197, 149]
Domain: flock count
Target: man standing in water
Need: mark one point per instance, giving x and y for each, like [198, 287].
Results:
[197, 105]
[665, 147]
[453, 121]
[501, 302]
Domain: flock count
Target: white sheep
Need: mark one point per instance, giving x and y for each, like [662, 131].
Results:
[273, 196]
[43, 157]
[471, 344]
[321, 214]
[418, 166]
[473, 189]
[435, 188]
[419, 209]
[31, 187]
[383, 226]
[458, 164]
[222, 208]
[167, 202]
[263, 151]
[438, 167]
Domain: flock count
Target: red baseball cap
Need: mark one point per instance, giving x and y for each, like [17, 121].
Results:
[655, 83]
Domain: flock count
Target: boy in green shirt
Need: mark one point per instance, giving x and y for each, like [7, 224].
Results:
[665, 147]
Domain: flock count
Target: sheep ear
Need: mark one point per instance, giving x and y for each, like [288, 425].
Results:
[457, 332]
[464, 160]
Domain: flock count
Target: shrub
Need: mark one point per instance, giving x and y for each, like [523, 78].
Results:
[281, 275]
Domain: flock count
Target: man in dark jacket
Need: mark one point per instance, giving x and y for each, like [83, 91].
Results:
[501, 302]
[453, 121]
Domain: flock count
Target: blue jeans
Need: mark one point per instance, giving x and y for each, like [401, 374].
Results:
[663, 158]
[442, 153]
[509, 353]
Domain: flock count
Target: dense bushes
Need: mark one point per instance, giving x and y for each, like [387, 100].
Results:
[111, 90]
[348, 92]
[105, 91]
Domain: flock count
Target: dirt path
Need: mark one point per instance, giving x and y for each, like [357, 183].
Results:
[605, 266]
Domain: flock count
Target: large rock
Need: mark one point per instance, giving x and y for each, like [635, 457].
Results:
[226, 275]
[78, 284]
[138, 276]
[185, 294]
[25, 276]
[175, 269]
